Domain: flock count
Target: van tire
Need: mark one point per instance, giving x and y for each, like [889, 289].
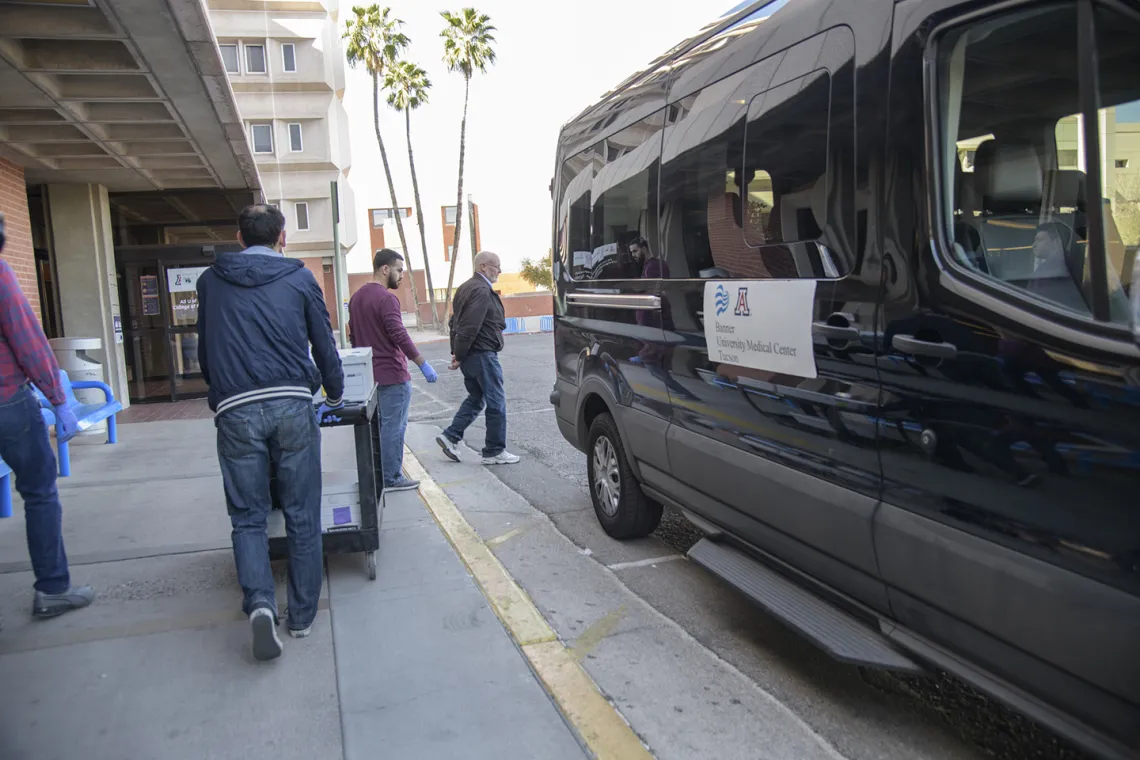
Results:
[634, 515]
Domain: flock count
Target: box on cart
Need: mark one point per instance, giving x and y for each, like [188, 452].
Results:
[358, 375]
[340, 504]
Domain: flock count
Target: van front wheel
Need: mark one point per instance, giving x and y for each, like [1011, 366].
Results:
[622, 509]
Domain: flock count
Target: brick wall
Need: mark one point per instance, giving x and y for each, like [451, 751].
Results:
[18, 251]
[529, 305]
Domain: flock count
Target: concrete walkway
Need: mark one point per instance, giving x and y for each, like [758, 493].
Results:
[413, 665]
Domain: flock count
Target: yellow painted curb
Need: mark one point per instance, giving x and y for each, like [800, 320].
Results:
[595, 719]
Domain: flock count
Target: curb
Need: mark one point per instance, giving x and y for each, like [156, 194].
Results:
[598, 722]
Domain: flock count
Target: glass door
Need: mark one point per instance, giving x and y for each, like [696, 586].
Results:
[144, 334]
[181, 330]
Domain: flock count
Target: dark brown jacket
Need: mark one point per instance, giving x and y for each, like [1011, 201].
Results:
[477, 319]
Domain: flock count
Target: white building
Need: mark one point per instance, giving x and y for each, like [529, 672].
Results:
[286, 65]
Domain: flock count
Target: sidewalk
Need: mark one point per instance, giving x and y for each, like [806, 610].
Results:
[413, 665]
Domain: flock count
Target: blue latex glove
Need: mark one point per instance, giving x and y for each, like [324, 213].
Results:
[66, 426]
[327, 413]
[429, 372]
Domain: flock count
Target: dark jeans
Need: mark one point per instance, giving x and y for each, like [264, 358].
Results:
[25, 446]
[284, 434]
[394, 401]
[483, 378]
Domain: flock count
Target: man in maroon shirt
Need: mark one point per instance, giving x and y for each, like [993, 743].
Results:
[374, 321]
[26, 358]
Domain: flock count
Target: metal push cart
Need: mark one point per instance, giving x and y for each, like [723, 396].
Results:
[364, 537]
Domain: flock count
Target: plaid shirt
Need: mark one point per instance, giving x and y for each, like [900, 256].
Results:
[24, 351]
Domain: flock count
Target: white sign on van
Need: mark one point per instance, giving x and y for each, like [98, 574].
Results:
[762, 324]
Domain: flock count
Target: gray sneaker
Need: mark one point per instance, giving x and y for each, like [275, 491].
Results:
[403, 484]
[450, 450]
[266, 644]
[52, 605]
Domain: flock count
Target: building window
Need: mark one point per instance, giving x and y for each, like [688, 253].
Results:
[255, 59]
[381, 215]
[295, 143]
[449, 215]
[289, 58]
[261, 135]
[1122, 163]
[302, 216]
[230, 58]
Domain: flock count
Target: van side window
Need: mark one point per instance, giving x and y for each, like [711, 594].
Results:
[1016, 200]
[609, 205]
[745, 182]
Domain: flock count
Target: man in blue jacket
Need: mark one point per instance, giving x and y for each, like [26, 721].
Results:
[258, 313]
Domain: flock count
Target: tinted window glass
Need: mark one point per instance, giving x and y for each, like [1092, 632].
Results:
[1016, 192]
[302, 216]
[608, 226]
[295, 143]
[744, 178]
[576, 178]
[623, 241]
[289, 57]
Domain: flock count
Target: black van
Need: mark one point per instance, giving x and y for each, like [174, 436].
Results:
[848, 283]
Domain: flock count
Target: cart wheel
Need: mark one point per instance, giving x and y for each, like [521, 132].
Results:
[371, 566]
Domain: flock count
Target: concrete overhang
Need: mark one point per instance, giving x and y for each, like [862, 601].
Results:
[130, 94]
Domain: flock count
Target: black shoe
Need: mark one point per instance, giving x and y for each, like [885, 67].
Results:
[52, 605]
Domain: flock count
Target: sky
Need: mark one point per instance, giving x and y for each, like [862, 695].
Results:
[549, 69]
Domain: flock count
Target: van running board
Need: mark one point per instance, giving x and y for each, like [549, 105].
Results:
[835, 632]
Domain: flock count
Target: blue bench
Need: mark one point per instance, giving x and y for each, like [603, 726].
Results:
[87, 414]
[5, 490]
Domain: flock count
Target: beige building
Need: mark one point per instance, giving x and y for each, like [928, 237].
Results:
[286, 64]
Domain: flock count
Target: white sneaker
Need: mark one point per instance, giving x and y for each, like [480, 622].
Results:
[450, 450]
[301, 634]
[503, 457]
[266, 645]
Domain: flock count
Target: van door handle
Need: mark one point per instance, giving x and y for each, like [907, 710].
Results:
[909, 344]
[834, 332]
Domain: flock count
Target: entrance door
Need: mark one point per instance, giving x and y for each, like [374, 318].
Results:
[158, 287]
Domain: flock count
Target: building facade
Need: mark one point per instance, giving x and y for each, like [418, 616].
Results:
[285, 64]
[441, 247]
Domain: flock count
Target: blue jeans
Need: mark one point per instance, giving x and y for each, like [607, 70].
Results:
[26, 448]
[282, 434]
[483, 378]
[394, 401]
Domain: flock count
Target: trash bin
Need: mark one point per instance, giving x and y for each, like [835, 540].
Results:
[71, 353]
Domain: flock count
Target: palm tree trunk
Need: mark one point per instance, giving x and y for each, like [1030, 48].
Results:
[459, 194]
[420, 221]
[391, 184]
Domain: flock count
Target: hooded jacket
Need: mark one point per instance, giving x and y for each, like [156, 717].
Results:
[258, 312]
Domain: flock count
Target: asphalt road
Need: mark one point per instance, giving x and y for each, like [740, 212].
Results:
[865, 715]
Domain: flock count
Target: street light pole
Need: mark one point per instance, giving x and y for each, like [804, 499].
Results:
[340, 267]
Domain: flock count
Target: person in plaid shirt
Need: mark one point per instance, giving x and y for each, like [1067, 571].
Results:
[25, 359]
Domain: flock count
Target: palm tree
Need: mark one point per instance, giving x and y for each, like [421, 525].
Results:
[375, 40]
[468, 38]
[407, 86]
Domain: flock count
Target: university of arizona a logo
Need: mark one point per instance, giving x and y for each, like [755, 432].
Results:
[742, 309]
[721, 300]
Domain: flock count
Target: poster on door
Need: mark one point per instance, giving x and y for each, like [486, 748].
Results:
[183, 279]
[149, 285]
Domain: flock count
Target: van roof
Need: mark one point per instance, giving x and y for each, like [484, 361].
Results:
[646, 90]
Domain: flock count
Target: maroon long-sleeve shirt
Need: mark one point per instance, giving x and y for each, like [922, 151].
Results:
[24, 350]
[374, 321]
